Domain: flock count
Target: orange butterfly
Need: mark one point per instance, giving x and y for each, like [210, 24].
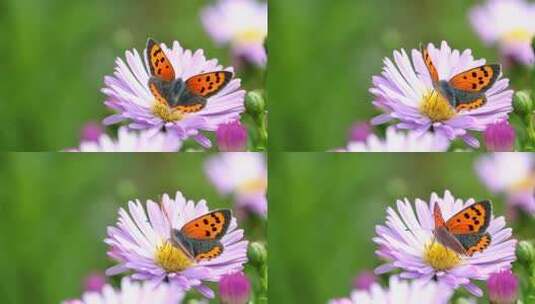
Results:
[200, 238]
[465, 232]
[466, 90]
[187, 97]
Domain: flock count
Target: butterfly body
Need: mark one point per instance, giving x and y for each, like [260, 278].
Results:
[465, 232]
[176, 93]
[188, 95]
[201, 237]
[466, 90]
[455, 96]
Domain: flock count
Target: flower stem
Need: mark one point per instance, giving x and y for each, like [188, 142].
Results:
[263, 292]
[261, 122]
[530, 129]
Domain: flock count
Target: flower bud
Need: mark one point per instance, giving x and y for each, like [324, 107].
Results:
[359, 132]
[500, 137]
[94, 282]
[503, 287]
[231, 137]
[525, 252]
[364, 280]
[234, 288]
[257, 254]
[522, 103]
[254, 103]
[91, 132]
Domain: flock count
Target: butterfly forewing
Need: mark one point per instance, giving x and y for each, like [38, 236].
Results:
[477, 79]
[155, 89]
[211, 226]
[437, 216]
[159, 64]
[208, 84]
[472, 219]
[429, 64]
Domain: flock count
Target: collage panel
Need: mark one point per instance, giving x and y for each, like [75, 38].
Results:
[142, 76]
[402, 76]
[133, 228]
[168, 77]
[406, 228]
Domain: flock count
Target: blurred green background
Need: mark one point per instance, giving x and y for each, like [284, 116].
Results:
[55, 209]
[324, 208]
[323, 54]
[55, 54]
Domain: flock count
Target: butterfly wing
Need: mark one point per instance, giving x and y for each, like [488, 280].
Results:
[208, 84]
[159, 64]
[157, 88]
[477, 79]
[207, 250]
[437, 216]
[469, 103]
[429, 63]
[474, 242]
[211, 226]
[472, 219]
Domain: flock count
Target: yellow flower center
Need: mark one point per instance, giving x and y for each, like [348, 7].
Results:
[517, 35]
[248, 36]
[436, 107]
[171, 258]
[166, 113]
[253, 185]
[524, 185]
[440, 257]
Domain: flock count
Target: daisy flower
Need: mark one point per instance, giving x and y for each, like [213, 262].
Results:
[241, 23]
[131, 293]
[131, 141]
[512, 174]
[128, 94]
[141, 243]
[404, 92]
[399, 141]
[407, 243]
[400, 291]
[243, 175]
[510, 24]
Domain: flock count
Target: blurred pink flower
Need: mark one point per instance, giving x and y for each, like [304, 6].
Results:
[510, 24]
[241, 23]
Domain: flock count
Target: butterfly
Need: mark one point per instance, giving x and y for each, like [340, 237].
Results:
[200, 237]
[465, 232]
[186, 96]
[466, 90]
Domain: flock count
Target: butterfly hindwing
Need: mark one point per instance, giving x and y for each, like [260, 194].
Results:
[159, 64]
[474, 242]
[208, 84]
[472, 219]
[429, 64]
[211, 226]
[470, 104]
[207, 250]
[477, 79]
[196, 249]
